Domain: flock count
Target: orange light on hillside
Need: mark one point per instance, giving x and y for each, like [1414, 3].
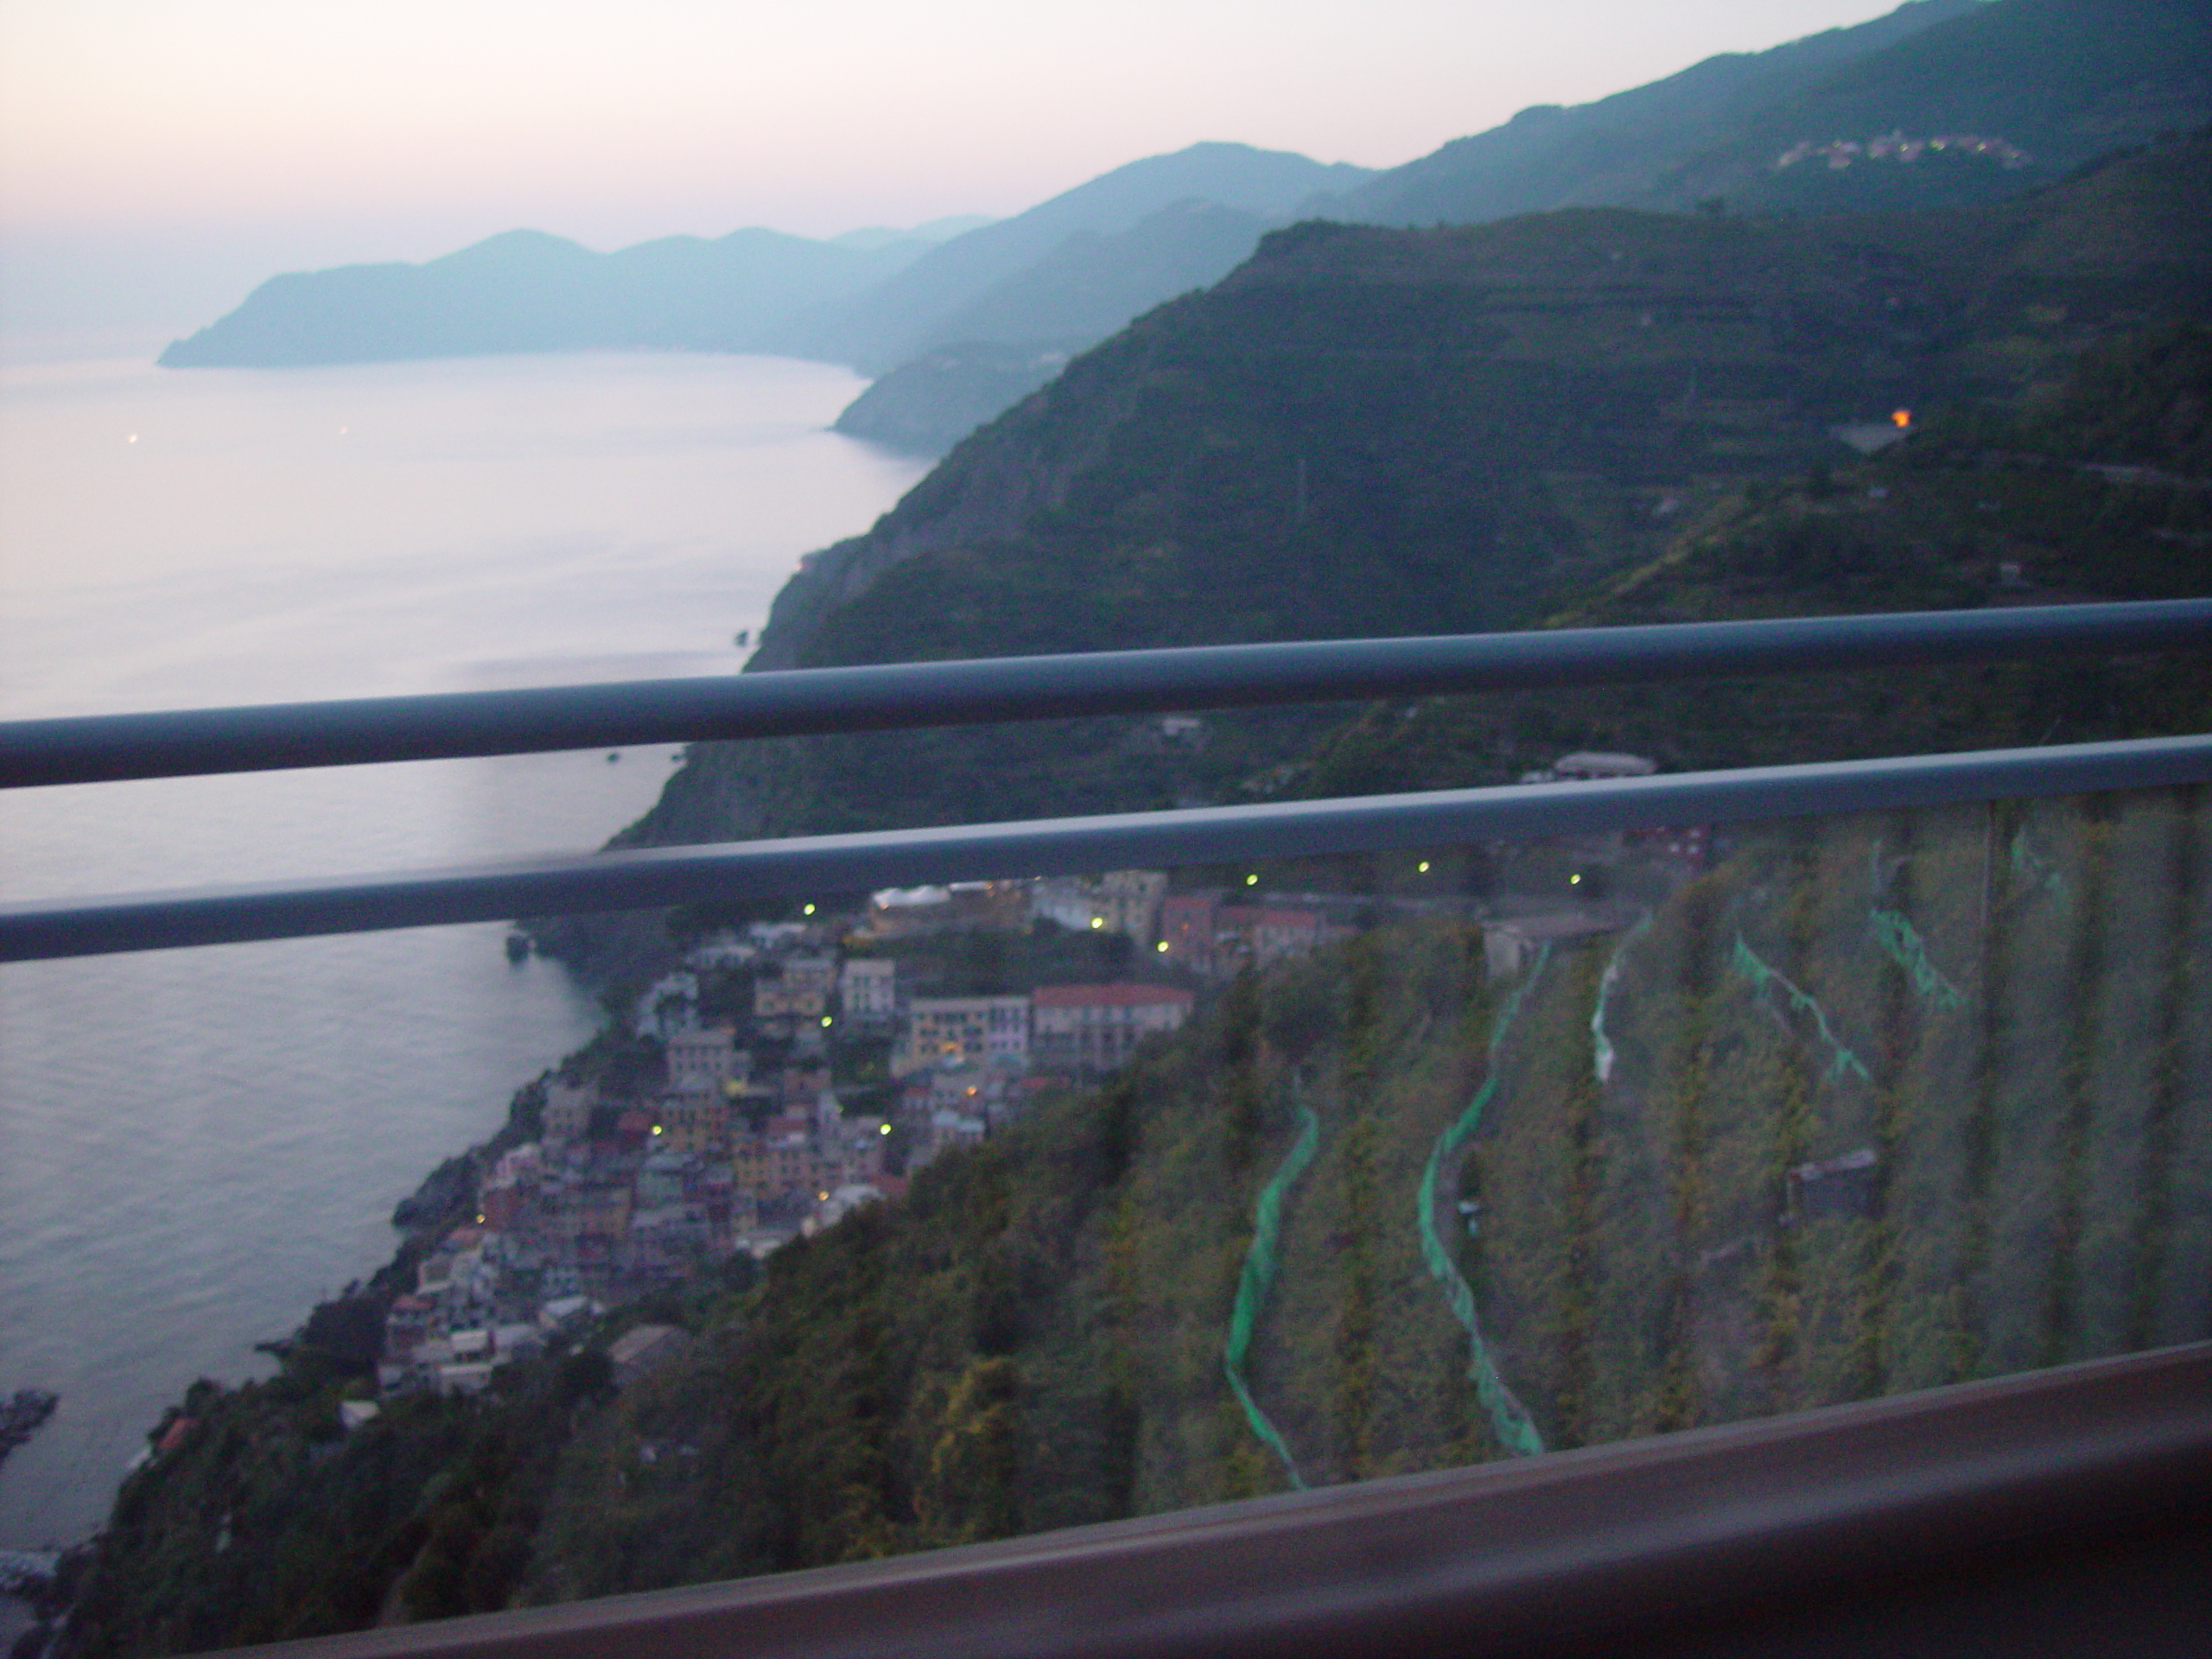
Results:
[1901, 419]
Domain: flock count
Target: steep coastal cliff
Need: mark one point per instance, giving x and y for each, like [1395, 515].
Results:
[1366, 432]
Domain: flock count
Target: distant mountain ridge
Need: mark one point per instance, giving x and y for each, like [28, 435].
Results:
[936, 301]
[869, 236]
[1602, 153]
[527, 291]
[1421, 405]
[2063, 81]
[2018, 91]
[1015, 335]
[859, 298]
[1941, 103]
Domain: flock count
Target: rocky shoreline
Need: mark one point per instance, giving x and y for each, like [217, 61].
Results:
[20, 1415]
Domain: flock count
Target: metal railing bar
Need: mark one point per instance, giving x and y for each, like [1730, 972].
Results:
[1587, 1551]
[795, 866]
[107, 748]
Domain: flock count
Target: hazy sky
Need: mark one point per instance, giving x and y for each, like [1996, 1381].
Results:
[308, 131]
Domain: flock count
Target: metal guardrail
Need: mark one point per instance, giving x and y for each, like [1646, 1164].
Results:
[110, 749]
[107, 748]
[797, 865]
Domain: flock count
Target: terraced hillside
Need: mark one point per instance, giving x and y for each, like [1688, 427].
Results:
[1870, 1106]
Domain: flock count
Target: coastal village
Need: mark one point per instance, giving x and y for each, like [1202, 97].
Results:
[802, 1069]
[748, 1136]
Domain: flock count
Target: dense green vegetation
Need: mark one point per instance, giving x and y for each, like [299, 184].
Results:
[1950, 519]
[1956, 995]
[1999, 1006]
[267, 1523]
[1365, 431]
[267, 1520]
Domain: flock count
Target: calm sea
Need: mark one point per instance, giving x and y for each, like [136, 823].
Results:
[196, 1144]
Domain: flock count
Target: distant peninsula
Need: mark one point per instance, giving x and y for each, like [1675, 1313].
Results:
[527, 291]
[1062, 275]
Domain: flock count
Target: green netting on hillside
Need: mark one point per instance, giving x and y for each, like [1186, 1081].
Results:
[1515, 1430]
[1748, 962]
[1901, 942]
[1260, 1260]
